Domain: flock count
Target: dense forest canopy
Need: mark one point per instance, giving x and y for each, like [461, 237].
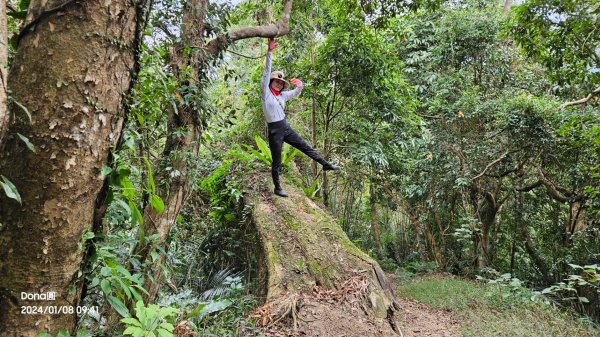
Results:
[134, 161]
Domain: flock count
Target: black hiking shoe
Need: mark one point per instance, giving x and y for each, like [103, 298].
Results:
[280, 192]
[331, 167]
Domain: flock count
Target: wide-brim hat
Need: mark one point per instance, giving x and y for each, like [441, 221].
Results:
[278, 75]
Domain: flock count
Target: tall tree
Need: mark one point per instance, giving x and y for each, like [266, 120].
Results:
[72, 71]
[187, 61]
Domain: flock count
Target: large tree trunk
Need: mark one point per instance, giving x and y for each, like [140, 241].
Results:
[315, 280]
[72, 71]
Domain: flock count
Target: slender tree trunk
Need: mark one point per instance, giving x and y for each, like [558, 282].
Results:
[435, 249]
[374, 220]
[72, 70]
[4, 115]
[314, 109]
[419, 236]
[507, 5]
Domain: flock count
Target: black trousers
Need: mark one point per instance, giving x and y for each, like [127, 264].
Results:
[280, 132]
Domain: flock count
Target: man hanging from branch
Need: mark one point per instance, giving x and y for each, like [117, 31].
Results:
[273, 99]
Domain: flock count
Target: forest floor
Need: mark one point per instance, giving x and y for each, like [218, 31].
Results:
[441, 305]
[417, 319]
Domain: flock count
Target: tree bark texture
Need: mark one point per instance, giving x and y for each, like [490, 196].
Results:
[3, 69]
[72, 71]
[306, 261]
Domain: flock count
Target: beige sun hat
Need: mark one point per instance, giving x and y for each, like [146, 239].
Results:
[278, 75]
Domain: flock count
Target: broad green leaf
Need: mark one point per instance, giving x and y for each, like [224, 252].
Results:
[118, 306]
[142, 289]
[157, 203]
[106, 170]
[105, 285]
[10, 189]
[135, 294]
[131, 321]
[124, 205]
[134, 331]
[27, 142]
[164, 333]
[125, 288]
[88, 235]
[151, 187]
[63, 334]
[196, 311]
[264, 147]
[135, 214]
[94, 282]
[167, 326]
[210, 307]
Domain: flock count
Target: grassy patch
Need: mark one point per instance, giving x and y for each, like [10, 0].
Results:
[486, 310]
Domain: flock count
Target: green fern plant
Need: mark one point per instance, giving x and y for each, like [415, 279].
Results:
[220, 284]
[264, 153]
[310, 191]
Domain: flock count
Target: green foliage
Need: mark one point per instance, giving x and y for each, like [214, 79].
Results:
[117, 283]
[492, 310]
[309, 190]
[587, 278]
[64, 333]
[27, 142]
[151, 321]
[562, 35]
[10, 189]
[420, 267]
[287, 154]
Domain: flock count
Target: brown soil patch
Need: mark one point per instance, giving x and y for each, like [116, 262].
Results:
[417, 320]
[323, 313]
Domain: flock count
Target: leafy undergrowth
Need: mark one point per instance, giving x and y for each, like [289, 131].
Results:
[490, 310]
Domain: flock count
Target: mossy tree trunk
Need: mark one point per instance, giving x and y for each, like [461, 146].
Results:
[72, 71]
[305, 249]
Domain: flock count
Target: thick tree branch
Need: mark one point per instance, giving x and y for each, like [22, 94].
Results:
[277, 29]
[553, 190]
[581, 101]
[530, 187]
[488, 166]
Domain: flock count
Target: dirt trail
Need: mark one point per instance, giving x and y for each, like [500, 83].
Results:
[418, 320]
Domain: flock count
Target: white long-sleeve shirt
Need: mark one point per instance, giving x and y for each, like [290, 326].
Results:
[273, 106]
